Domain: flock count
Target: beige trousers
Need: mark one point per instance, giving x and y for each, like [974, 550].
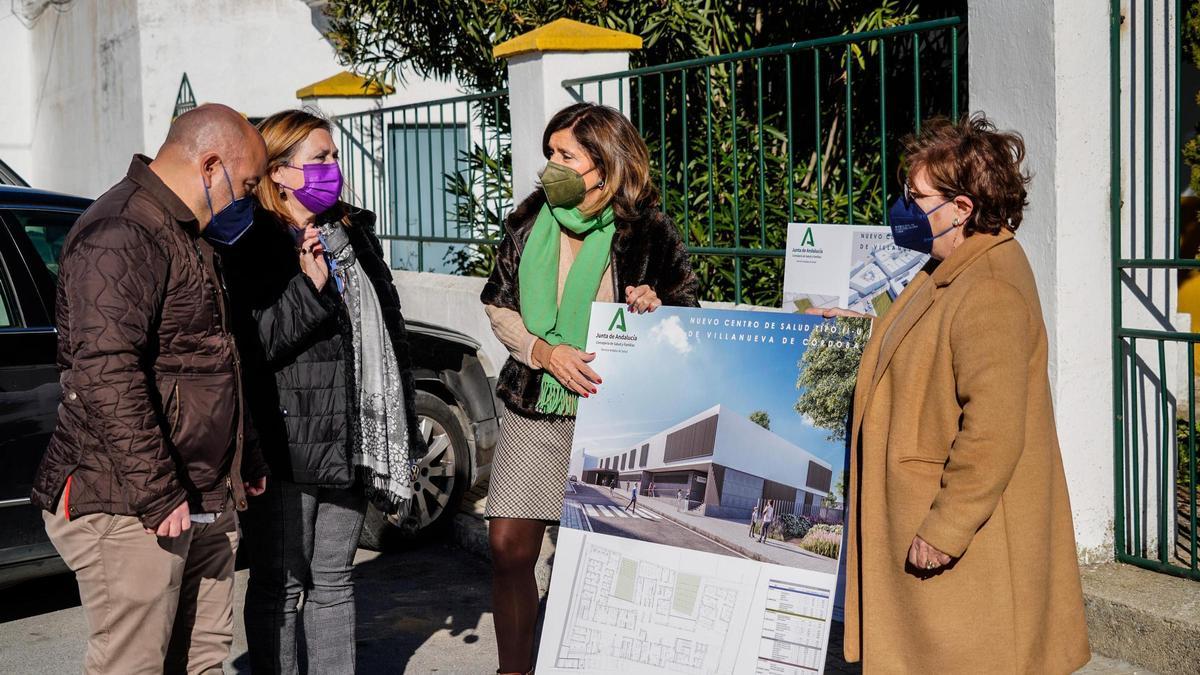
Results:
[153, 604]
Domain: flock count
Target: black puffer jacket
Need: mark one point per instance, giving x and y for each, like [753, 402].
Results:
[298, 350]
[647, 251]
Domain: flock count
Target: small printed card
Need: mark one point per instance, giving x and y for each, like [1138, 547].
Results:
[856, 267]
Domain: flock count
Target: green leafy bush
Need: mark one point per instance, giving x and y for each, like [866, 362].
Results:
[1187, 453]
[794, 527]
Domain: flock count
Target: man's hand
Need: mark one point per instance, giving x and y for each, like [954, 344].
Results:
[177, 523]
[925, 557]
[256, 487]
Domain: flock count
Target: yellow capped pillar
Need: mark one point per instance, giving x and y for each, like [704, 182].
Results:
[538, 62]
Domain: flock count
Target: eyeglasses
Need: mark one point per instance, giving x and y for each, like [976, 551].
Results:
[911, 195]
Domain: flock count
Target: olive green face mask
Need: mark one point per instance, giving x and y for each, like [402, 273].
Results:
[563, 185]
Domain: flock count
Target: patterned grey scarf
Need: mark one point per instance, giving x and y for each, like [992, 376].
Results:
[381, 454]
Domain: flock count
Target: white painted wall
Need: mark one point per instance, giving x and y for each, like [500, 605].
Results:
[739, 444]
[1059, 51]
[16, 107]
[92, 85]
[86, 98]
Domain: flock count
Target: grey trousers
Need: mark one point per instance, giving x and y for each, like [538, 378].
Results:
[301, 540]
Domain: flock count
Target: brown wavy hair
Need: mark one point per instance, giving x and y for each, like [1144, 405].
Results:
[972, 159]
[617, 150]
[284, 132]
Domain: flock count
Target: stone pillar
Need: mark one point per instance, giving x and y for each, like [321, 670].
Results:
[1060, 50]
[538, 62]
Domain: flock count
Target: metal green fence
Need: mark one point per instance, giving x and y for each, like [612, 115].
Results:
[744, 143]
[438, 176]
[1154, 362]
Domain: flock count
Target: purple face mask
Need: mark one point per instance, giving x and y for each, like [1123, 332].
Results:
[322, 186]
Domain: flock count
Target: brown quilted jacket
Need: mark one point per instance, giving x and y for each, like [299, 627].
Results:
[151, 413]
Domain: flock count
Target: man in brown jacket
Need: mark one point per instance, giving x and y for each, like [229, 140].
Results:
[144, 473]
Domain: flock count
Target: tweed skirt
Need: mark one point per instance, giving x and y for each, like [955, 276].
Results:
[529, 471]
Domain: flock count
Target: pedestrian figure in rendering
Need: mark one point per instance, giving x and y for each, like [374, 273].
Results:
[961, 552]
[632, 505]
[611, 483]
[754, 520]
[147, 467]
[768, 518]
[332, 397]
[592, 232]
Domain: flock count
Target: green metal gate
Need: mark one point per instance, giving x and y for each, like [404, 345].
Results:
[1154, 362]
[744, 143]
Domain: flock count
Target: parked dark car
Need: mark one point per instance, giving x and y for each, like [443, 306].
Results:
[455, 401]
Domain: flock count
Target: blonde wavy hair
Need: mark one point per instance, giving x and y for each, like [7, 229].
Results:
[284, 132]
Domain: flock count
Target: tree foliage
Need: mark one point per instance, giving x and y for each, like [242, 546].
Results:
[454, 38]
[734, 157]
[762, 418]
[1190, 44]
[827, 374]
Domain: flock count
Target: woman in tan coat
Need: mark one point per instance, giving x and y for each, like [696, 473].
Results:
[961, 554]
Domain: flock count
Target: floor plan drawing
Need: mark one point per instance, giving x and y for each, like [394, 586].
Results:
[631, 614]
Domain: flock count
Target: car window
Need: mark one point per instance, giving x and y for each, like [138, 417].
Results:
[7, 320]
[46, 230]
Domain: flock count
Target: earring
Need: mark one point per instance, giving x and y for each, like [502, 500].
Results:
[955, 223]
[600, 184]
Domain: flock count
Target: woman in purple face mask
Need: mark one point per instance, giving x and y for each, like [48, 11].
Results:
[330, 393]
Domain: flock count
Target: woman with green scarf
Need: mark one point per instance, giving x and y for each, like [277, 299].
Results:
[592, 232]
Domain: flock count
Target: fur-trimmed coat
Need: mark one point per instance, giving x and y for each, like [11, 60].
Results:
[647, 251]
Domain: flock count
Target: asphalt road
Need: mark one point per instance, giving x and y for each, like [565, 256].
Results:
[421, 611]
[606, 515]
[425, 610]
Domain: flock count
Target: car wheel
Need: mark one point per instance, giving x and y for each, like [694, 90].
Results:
[441, 479]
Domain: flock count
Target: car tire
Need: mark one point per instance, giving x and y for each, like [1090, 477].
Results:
[443, 475]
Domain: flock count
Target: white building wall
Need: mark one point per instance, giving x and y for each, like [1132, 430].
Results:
[87, 87]
[749, 448]
[16, 108]
[740, 444]
[86, 96]
[1058, 51]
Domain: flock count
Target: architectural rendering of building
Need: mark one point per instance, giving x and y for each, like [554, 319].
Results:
[720, 460]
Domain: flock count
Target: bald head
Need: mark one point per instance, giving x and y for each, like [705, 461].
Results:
[211, 127]
[211, 142]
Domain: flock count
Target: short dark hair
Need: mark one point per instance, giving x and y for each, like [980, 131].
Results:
[971, 158]
[616, 148]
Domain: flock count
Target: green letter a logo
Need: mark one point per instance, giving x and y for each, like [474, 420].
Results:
[618, 321]
[807, 240]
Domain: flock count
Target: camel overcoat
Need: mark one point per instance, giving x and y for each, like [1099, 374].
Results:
[953, 439]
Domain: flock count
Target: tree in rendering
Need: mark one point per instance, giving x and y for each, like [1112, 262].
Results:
[762, 418]
[827, 373]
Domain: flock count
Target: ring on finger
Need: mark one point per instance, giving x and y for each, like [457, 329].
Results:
[930, 565]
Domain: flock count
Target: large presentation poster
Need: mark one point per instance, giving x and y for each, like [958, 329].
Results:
[856, 267]
[703, 516]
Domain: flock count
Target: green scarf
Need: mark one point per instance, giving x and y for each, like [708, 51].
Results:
[565, 322]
